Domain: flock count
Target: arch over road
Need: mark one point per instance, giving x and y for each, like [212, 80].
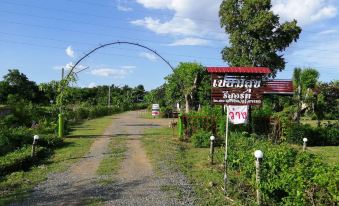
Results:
[64, 82]
[113, 43]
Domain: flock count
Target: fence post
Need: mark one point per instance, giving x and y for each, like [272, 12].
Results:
[180, 126]
[61, 126]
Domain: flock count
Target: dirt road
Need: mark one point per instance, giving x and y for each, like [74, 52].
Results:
[136, 183]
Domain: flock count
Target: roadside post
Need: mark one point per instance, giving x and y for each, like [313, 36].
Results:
[304, 144]
[258, 154]
[35, 139]
[180, 127]
[212, 138]
[61, 126]
[225, 160]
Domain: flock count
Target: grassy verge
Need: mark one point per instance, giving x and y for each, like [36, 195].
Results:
[160, 145]
[18, 184]
[314, 123]
[330, 154]
[110, 165]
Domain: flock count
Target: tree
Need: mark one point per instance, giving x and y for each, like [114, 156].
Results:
[297, 91]
[255, 34]
[21, 86]
[183, 83]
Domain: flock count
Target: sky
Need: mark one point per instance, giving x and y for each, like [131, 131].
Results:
[39, 37]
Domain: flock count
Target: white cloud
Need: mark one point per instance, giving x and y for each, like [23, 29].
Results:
[187, 20]
[148, 56]
[92, 84]
[68, 66]
[122, 5]
[189, 42]
[128, 67]
[329, 31]
[115, 73]
[69, 51]
[155, 4]
[304, 11]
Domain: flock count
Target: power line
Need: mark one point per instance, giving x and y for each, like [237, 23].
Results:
[84, 32]
[92, 44]
[61, 48]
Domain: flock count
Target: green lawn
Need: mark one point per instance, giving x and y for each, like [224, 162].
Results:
[18, 184]
[207, 181]
[330, 154]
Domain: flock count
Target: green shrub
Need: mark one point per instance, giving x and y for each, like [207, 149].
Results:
[201, 139]
[317, 136]
[288, 176]
[50, 141]
[13, 138]
[19, 160]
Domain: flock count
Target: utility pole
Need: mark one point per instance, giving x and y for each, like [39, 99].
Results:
[60, 116]
[109, 95]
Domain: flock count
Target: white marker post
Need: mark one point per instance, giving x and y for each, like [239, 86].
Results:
[212, 138]
[258, 154]
[304, 145]
[226, 141]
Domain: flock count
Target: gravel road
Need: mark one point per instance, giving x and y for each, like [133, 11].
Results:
[136, 183]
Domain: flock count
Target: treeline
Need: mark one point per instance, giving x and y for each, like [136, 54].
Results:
[32, 108]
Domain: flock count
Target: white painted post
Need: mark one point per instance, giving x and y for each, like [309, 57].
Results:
[304, 144]
[226, 142]
[212, 138]
[258, 155]
[35, 138]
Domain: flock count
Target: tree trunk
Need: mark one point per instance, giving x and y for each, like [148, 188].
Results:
[187, 103]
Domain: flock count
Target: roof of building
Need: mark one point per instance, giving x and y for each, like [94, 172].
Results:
[244, 70]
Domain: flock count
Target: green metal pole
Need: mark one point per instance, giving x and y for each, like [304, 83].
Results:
[61, 126]
[180, 129]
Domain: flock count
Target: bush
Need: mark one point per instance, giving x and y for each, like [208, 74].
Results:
[19, 160]
[289, 176]
[14, 138]
[50, 141]
[201, 139]
[317, 136]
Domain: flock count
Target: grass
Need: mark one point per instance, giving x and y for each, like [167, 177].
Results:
[330, 154]
[18, 185]
[314, 123]
[160, 145]
[110, 165]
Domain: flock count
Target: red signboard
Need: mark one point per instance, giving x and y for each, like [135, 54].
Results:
[244, 85]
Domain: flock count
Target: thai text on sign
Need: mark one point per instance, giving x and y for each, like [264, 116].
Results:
[236, 89]
[237, 114]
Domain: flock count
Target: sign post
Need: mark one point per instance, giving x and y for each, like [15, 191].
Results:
[226, 142]
[237, 88]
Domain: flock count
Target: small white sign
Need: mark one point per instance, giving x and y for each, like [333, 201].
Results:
[237, 114]
[155, 109]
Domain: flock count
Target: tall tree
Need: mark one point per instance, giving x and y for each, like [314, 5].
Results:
[184, 81]
[256, 37]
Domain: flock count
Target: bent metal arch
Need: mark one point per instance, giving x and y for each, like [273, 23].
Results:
[113, 43]
[65, 81]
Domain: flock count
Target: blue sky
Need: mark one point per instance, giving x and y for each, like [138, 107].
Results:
[39, 37]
